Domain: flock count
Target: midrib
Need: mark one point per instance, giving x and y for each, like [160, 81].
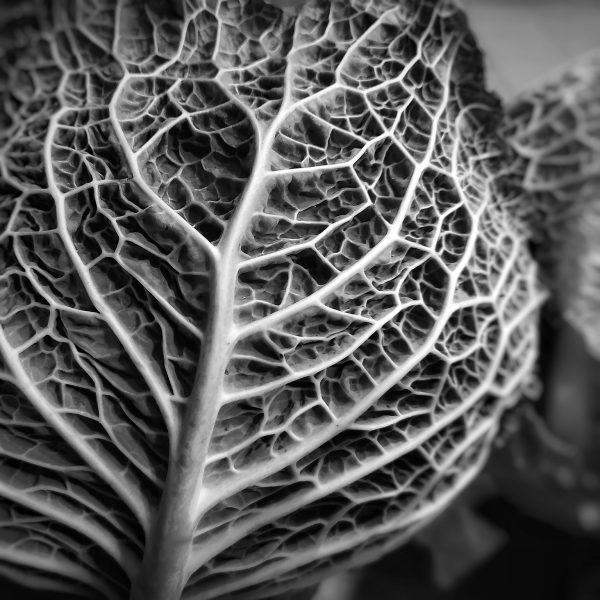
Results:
[164, 572]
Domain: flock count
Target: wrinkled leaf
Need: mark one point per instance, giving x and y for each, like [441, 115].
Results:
[555, 133]
[261, 304]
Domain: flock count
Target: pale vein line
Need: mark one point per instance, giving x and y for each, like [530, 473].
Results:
[132, 162]
[408, 517]
[130, 496]
[157, 389]
[376, 463]
[388, 240]
[320, 364]
[82, 525]
[56, 566]
[330, 229]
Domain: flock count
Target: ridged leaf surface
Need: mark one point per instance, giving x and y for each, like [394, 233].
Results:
[261, 303]
[554, 130]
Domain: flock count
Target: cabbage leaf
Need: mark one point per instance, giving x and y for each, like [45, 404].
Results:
[262, 301]
[554, 130]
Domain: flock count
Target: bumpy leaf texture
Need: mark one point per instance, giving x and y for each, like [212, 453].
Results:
[555, 132]
[262, 305]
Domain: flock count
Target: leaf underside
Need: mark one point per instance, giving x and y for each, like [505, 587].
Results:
[261, 303]
[555, 133]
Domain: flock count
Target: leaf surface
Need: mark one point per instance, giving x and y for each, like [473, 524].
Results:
[261, 303]
[555, 133]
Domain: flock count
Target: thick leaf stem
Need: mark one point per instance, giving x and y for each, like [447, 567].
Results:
[163, 572]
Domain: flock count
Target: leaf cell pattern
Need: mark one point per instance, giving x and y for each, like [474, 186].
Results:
[262, 305]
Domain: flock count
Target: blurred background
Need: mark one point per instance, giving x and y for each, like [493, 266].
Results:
[525, 40]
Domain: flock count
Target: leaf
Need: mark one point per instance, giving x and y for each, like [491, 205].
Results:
[555, 133]
[261, 307]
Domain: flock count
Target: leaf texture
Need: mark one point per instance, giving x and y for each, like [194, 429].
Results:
[262, 304]
[555, 133]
